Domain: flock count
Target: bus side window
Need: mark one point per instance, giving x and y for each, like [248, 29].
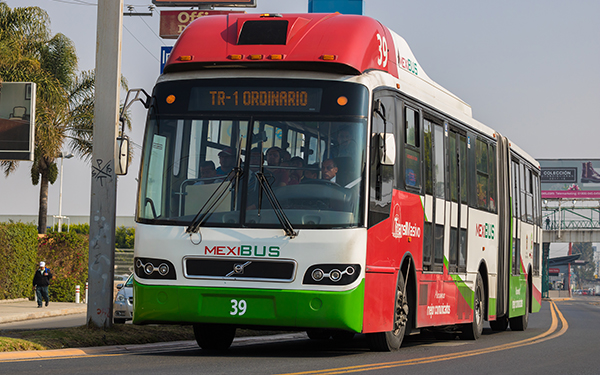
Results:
[482, 179]
[523, 199]
[412, 162]
[427, 151]
[382, 176]
[492, 183]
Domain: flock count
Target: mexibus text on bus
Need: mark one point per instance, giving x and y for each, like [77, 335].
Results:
[302, 171]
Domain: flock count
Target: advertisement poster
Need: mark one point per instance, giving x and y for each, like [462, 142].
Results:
[570, 178]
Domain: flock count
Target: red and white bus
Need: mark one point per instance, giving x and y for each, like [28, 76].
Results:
[302, 172]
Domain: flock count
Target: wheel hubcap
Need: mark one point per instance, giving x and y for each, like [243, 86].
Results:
[401, 313]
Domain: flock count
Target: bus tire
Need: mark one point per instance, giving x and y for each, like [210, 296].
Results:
[392, 340]
[214, 336]
[473, 330]
[519, 323]
[500, 324]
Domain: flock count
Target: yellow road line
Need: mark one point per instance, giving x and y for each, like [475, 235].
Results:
[549, 334]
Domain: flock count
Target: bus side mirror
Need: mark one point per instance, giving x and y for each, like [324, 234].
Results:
[387, 145]
[122, 162]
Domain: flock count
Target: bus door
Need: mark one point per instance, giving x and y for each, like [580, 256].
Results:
[504, 233]
[456, 218]
[434, 294]
[383, 256]
[516, 230]
[458, 208]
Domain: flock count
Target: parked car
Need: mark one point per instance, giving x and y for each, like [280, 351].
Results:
[123, 305]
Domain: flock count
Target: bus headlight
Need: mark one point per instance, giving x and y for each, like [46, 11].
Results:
[317, 274]
[330, 274]
[147, 268]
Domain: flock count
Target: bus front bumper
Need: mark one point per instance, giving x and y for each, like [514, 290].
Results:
[249, 307]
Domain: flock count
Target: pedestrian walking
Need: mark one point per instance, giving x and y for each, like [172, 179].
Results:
[41, 280]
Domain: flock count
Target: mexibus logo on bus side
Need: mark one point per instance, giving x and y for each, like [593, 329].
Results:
[244, 250]
[485, 230]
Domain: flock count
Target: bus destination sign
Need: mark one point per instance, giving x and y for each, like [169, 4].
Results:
[277, 99]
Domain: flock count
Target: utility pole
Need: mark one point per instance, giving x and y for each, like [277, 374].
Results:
[104, 180]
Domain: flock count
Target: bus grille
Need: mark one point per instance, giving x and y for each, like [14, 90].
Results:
[240, 269]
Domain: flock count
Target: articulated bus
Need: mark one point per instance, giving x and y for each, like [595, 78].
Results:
[302, 172]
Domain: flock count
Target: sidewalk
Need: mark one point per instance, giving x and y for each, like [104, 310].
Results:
[23, 309]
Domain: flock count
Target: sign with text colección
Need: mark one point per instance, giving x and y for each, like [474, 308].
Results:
[570, 178]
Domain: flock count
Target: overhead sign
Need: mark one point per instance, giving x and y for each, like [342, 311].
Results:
[570, 178]
[194, 3]
[173, 22]
[17, 120]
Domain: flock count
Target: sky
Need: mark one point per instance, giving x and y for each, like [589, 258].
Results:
[528, 68]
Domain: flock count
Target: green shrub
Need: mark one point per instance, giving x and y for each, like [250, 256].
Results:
[66, 255]
[18, 257]
[77, 228]
[124, 237]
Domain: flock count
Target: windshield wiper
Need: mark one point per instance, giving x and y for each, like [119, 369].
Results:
[283, 219]
[214, 200]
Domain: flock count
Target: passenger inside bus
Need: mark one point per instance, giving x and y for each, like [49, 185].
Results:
[329, 170]
[227, 161]
[346, 145]
[208, 173]
[311, 172]
[297, 171]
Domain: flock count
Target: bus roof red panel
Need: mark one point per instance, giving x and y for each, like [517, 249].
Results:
[358, 42]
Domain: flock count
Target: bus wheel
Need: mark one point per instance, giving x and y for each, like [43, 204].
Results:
[519, 323]
[472, 331]
[392, 340]
[500, 324]
[214, 336]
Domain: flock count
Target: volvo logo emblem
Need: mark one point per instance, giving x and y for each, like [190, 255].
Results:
[238, 269]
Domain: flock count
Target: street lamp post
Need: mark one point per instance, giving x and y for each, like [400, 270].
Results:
[62, 157]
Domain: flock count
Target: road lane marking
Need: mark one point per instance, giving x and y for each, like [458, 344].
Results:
[548, 335]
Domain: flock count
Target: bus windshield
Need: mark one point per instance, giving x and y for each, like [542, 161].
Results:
[208, 162]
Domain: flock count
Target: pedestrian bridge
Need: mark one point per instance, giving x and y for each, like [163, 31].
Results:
[570, 223]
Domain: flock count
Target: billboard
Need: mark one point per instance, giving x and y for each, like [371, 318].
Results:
[195, 3]
[17, 120]
[570, 178]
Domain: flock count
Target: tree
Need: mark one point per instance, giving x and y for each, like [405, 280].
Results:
[65, 100]
[584, 273]
[28, 53]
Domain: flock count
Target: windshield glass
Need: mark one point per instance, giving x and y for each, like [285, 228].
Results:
[206, 154]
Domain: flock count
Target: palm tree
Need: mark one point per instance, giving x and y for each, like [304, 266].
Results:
[29, 54]
[81, 115]
[64, 101]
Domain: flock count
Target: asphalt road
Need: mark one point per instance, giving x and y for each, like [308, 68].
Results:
[559, 340]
